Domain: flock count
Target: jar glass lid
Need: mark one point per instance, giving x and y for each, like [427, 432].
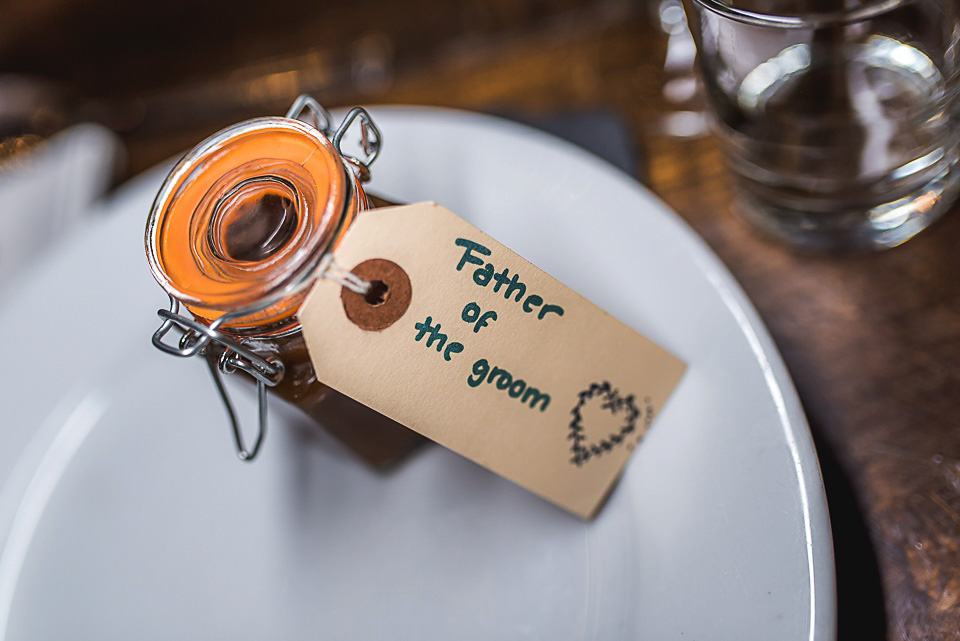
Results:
[242, 220]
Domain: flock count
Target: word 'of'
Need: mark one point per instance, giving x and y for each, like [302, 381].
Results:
[513, 287]
[473, 314]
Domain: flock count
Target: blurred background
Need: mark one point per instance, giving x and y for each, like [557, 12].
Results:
[615, 76]
[163, 75]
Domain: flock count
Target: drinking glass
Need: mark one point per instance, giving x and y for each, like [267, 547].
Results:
[837, 117]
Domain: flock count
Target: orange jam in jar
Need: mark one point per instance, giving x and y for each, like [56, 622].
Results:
[235, 235]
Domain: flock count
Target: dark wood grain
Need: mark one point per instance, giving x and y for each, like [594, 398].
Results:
[872, 341]
[873, 344]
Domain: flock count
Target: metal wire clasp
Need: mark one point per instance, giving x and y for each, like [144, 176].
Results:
[309, 110]
[197, 338]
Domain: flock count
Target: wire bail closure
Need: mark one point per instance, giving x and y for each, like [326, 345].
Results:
[308, 110]
[196, 338]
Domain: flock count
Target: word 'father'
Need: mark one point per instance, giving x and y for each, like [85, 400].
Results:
[513, 288]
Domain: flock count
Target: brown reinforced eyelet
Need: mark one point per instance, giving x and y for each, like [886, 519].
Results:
[395, 300]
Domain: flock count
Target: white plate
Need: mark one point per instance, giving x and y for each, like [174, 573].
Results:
[125, 515]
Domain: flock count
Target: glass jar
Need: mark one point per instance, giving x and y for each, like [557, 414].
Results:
[236, 235]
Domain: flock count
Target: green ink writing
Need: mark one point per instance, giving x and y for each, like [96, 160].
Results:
[468, 256]
[509, 284]
[432, 332]
[502, 380]
[532, 301]
[473, 314]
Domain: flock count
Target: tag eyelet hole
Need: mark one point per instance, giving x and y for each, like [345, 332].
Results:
[379, 293]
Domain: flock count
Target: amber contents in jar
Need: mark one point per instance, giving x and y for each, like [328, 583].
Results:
[238, 228]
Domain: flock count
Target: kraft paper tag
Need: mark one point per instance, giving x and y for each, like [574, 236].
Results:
[475, 348]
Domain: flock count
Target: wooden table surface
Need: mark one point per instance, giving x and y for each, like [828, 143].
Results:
[872, 341]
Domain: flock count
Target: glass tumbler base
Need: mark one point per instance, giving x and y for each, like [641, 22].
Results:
[878, 227]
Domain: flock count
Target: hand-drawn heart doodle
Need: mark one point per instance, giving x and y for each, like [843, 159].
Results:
[612, 402]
